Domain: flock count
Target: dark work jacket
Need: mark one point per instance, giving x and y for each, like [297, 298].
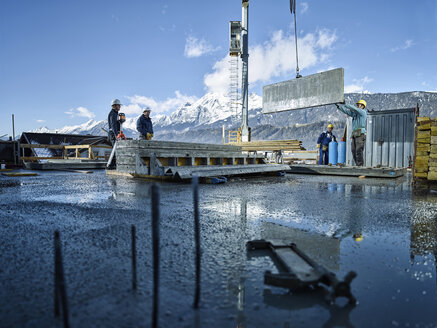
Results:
[144, 125]
[113, 122]
[325, 138]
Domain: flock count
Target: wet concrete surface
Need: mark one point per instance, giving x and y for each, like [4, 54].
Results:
[395, 261]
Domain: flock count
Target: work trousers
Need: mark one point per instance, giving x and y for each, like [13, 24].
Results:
[323, 156]
[357, 146]
[111, 137]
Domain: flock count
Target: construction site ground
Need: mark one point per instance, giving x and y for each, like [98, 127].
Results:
[327, 217]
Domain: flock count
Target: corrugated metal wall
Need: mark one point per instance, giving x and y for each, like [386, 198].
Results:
[390, 138]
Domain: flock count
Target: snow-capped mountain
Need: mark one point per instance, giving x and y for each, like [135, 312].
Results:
[202, 120]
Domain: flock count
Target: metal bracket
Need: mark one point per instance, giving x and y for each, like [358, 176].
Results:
[301, 271]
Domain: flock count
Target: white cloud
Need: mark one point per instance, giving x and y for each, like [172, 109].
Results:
[196, 48]
[40, 121]
[81, 112]
[358, 85]
[407, 44]
[304, 7]
[275, 57]
[137, 104]
[169, 28]
[164, 9]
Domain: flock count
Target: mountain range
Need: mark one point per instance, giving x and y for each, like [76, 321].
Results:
[202, 121]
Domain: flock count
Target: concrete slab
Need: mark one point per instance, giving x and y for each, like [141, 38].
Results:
[310, 91]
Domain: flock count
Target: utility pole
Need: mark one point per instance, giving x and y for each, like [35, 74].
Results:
[13, 139]
[245, 73]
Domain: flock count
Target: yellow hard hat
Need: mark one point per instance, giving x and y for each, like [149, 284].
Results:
[362, 102]
[330, 126]
[358, 237]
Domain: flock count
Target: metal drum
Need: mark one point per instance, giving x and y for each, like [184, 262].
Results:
[341, 152]
[333, 153]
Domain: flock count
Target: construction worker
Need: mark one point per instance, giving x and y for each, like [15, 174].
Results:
[323, 144]
[359, 122]
[113, 122]
[144, 125]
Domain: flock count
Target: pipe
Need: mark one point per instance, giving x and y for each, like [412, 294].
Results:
[13, 139]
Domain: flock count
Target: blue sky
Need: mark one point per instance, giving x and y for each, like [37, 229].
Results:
[62, 62]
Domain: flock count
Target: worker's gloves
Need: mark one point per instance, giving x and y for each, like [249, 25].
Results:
[149, 136]
[318, 146]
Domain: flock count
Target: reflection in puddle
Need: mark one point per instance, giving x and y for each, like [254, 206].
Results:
[339, 315]
[321, 248]
[423, 242]
[90, 197]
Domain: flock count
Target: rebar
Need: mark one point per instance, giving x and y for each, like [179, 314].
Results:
[155, 246]
[195, 183]
[134, 258]
[60, 288]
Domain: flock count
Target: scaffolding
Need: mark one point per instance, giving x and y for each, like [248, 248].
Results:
[234, 91]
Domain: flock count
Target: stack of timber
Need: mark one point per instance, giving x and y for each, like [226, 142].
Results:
[182, 160]
[425, 162]
[270, 145]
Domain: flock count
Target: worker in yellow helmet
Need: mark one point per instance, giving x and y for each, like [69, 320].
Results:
[359, 122]
[323, 144]
[358, 237]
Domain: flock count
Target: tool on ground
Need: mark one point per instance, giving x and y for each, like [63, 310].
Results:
[301, 271]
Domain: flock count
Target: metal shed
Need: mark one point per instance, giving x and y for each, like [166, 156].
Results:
[390, 138]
